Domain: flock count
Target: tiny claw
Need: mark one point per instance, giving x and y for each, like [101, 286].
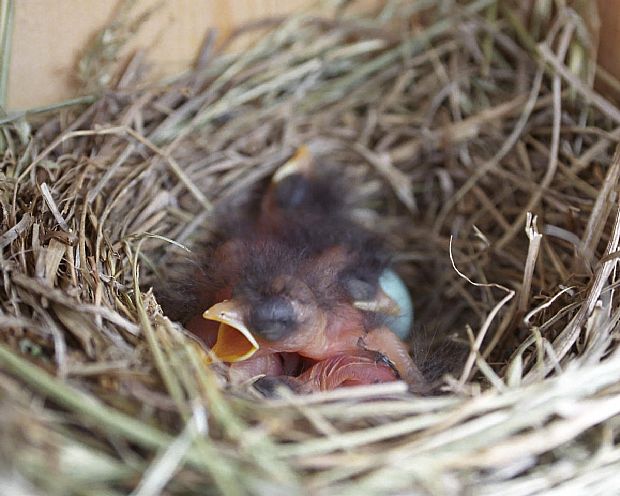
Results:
[385, 341]
[384, 360]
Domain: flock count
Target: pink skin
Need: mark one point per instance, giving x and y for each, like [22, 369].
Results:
[344, 335]
[273, 364]
[346, 370]
[270, 365]
[386, 342]
[338, 352]
[353, 369]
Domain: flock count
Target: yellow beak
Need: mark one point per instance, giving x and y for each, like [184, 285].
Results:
[299, 163]
[234, 342]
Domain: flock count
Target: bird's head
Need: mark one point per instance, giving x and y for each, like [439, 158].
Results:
[302, 268]
[281, 316]
[309, 304]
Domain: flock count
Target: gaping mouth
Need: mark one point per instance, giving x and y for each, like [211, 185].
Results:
[234, 342]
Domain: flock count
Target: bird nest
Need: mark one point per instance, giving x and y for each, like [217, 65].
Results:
[471, 133]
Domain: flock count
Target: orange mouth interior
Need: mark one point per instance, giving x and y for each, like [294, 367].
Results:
[234, 341]
[232, 345]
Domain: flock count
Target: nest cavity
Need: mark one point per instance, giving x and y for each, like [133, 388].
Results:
[476, 140]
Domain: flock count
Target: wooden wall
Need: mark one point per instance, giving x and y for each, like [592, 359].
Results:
[609, 38]
[49, 34]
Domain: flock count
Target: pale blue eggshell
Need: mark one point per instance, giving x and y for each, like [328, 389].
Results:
[395, 288]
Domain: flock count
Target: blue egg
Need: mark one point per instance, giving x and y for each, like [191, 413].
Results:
[395, 288]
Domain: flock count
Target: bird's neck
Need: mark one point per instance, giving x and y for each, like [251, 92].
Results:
[343, 330]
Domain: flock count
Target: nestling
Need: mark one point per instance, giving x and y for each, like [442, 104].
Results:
[291, 288]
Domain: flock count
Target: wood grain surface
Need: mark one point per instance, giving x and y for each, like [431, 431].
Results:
[609, 38]
[49, 35]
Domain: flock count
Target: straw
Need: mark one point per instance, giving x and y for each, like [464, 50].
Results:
[474, 141]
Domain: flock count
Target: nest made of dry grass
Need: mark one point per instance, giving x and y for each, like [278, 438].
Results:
[457, 121]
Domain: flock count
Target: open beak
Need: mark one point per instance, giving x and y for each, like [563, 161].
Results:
[381, 303]
[234, 342]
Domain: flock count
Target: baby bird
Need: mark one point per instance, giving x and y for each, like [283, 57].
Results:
[291, 288]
